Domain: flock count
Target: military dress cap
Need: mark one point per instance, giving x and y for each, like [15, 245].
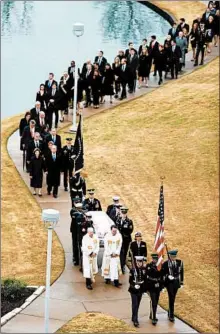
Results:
[76, 199]
[88, 214]
[69, 139]
[154, 256]
[173, 252]
[116, 198]
[139, 258]
[124, 209]
[138, 234]
[91, 191]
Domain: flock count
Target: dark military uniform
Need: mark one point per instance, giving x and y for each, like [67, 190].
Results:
[125, 227]
[137, 280]
[172, 269]
[92, 204]
[68, 164]
[154, 286]
[77, 221]
[77, 187]
[113, 212]
[136, 250]
[200, 46]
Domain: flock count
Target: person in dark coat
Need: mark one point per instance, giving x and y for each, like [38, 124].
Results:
[49, 83]
[47, 148]
[200, 44]
[210, 32]
[173, 31]
[138, 247]
[54, 98]
[160, 62]
[101, 61]
[137, 281]
[144, 67]
[45, 134]
[167, 50]
[173, 277]
[124, 76]
[125, 227]
[96, 85]
[127, 51]
[132, 61]
[121, 54]
[142, 46]
[182, 24]
[23, 123]
[68, 155]
[41, 120]
[53, 163]
[37, 167]
[153, 48]
[114, 208]
[87, 76]
[91, 203]
[107, 83]
[36, 110]
[56, 139]
[154, 285]
[36, 142]
[65, 88]
[176, 54]
[41, 96]
[77, 187]
[116, 70]
[193, 38]
[27, 136]
[168, 40]
[217, 27]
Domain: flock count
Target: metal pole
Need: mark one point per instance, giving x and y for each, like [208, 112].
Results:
[74, 127]
[47, 297]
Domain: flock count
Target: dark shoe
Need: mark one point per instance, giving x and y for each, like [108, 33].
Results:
[159, 83]
[154, 322]
[111, 102]
[154, 75]
[196, 64]
[48, 193]
[121, 98]
[86, 105]
[54, 195]
[34, 193]
[116, 96]
[136, 324]
[75, 263]
[107, 281]
[201, 63]
[176, 76]
[117, 284]
[172, 319]
[80, 269]
[40, 195]
[150, 317]
[89, 287]
[66, 189]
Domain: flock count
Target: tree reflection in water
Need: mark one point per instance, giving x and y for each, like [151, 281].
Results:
[16, 16]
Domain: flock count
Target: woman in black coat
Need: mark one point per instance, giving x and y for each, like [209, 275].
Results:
[210, 31]
[144, 67]
[41, 96]
[216, 27]
[193, 38]
[96, 88]
[160, 62]
[37, 166]
[23, 123]
[107, 83]
[116, 67]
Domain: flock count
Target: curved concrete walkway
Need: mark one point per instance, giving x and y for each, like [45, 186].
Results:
[69, 296]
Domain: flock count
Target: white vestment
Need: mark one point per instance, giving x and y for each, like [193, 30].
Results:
[90, 245]
[111, 267]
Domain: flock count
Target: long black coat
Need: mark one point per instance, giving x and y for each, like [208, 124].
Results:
[54, 169]
[160, 60]
[43, 99]
[37, 166]
[31, 148]
[107, 82]
[27, 137]
[144, 66]
[22, 125]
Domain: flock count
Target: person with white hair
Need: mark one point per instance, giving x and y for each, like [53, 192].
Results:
[41, 120]
[111, 266]
[36, 110]
[113, 210]
[90, 249]
[36, 142]
[53, 163]
[65, 86]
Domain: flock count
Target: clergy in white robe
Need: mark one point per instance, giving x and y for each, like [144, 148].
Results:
[111, 267]
[90, 249]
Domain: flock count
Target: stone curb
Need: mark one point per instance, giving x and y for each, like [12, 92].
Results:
[28, 301]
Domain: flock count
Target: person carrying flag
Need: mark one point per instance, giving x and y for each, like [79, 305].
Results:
[173, 276]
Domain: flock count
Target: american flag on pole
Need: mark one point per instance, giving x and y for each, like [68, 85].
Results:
[159, 236]
[78, 147]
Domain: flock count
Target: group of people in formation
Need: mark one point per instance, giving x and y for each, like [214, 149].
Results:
[119, 251]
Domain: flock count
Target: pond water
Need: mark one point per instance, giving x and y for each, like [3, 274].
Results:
[37, 39]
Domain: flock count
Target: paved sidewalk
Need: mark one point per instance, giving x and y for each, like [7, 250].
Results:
[69, 296]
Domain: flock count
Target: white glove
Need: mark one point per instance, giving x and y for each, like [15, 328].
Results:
[170, 277]
[163, 290]
[137, 286]
[181, 286]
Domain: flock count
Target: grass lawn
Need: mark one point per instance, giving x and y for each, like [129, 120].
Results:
[172, 131]
[96, 323]
[23, 236]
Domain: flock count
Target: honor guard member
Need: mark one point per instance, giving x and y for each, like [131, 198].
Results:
[137, 280]
[125, 227]
[173, 276]
[77, 220]
[136, 248]
[68, 157]
[77, 186]
[91, 203]
[113, 210]
[154, 286]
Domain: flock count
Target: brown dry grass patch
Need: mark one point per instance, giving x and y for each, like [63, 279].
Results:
[95, 323]
[187, 9]
[172, 131]
[23, 237]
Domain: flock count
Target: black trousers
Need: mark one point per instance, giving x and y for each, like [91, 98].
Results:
[150, 65]
[124, 251]
[88, 95]
[172, 291]
[75, 248]
[199, 49]
[95, 95]
[55, 189]
[160, 74]
[124, 92]
[74, 194]
[117, 87]
[174, 67]
[154, 296]
[88, 281]
[135, 300]
[67, 173]
[132, 83]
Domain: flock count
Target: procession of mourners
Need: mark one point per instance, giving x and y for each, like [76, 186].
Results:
[44, 153]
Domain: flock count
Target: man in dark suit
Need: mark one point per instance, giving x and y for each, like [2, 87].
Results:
[68, 155]
[143, 45]
[53, 107]
[91, 203]
[130, 46]
[136, 248]
[124, 76]
[206, 15]
[101, 61]
[71, 68]
[27, 136]
[41, 121]
[132, 62]
[35, 111]
[200, 44]
[56, 139]
[173, 31]
[33, 144]
[53, 169]
[175, 55]
[182, 25]
[87, 76]
[153, 50]
[49, 83]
